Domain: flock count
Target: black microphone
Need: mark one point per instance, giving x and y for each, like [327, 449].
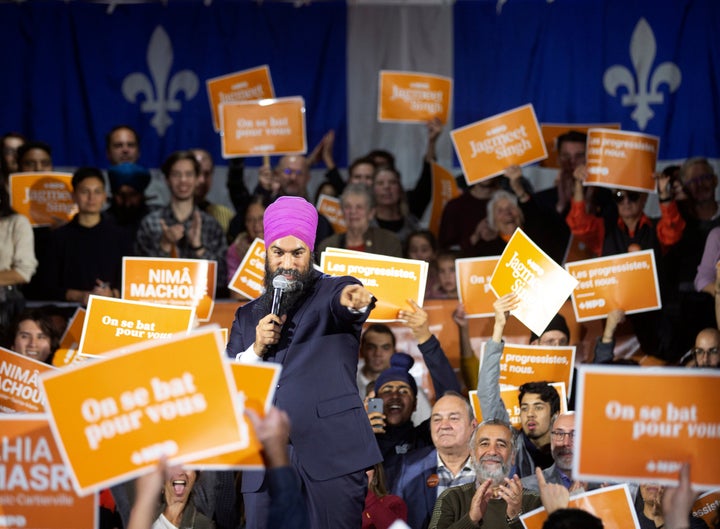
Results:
[281, 285]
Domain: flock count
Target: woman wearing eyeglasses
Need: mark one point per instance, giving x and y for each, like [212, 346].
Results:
[630, 231]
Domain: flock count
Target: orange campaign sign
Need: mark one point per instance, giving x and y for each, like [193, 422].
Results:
[35, 486]
[44, 198]
[444, 189]
[391, 280]
[706, 506]
[626, 281]
[67, 353]
[613, 505]
[509, 396]
[247, 85]
[259, 128]
[250, 275]
[255, 385]
[19, 390]
[541, 284]
[473, 285]
[114, 418]
[332, 209]
[171, 281]
[114, 323]
[621, 159]
[551, 132]
[413, 97]
[657, 418]
[487, 147]
[527, 363]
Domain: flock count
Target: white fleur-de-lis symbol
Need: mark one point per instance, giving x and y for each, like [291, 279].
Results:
[161, 97]
[646, 91]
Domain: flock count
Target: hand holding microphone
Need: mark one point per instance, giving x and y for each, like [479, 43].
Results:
[267, 332]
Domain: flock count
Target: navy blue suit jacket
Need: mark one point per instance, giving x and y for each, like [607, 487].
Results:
[318, 349]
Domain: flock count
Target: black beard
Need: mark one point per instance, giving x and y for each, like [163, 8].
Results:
[289, 298]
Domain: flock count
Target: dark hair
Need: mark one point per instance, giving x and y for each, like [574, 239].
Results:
[5, 209]
[425, 234]
[84, 173]
[360, 161]
[176, 157]
[380, 153]
[108, 136]
[378, 484]
[43, 320]
[30, 145]
[379, 328]
[572, 136]
[547, 394]
[572, 519]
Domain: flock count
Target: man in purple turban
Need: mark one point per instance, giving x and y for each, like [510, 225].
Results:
[314, 333]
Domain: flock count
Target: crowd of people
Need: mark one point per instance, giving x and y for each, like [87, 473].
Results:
[334, 461]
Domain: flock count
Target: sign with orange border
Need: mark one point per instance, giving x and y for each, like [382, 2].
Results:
[37, 491]
[472, 275]
[551, 132]
[44, 198]
[541, 284]
[621, 159]
[332, 209]
[489, 146]
[246, 85]
[67, 353]
[444, 189]
[659, 417]
[626, 281]
[114, 418]
[19, 390]
[250, 275]
[706, 506]
[265, 127]
[613, 505]
[413, 97]
[509, 396]
[527, 363]
[255, 385]
[171, 281]
[114, 323]
[391, 280]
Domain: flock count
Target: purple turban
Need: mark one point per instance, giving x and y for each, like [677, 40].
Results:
[290, 216]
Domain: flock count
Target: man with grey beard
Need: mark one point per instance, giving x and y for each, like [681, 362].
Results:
[495, 500]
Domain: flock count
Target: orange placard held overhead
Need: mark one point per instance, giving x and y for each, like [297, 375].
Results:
[44, 198]
[250, 275]
[613, 505]
[247, 85]
[626, 281]
[487, 147]
[444, 189]
[621, 159]
[391, 280]
[541, 284]
[268, 126]
[113, 419]
[35, 486]
[473, 279]
[332, 209]
[255, 385]
[114, 323]
[509, 396]
[551, 132]
[527, 363]
[706, 506]
[19, 390]
[67, 353]
[413, 97]
[171, 281]
[657, 419]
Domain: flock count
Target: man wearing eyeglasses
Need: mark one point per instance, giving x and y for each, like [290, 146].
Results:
[707, 348]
